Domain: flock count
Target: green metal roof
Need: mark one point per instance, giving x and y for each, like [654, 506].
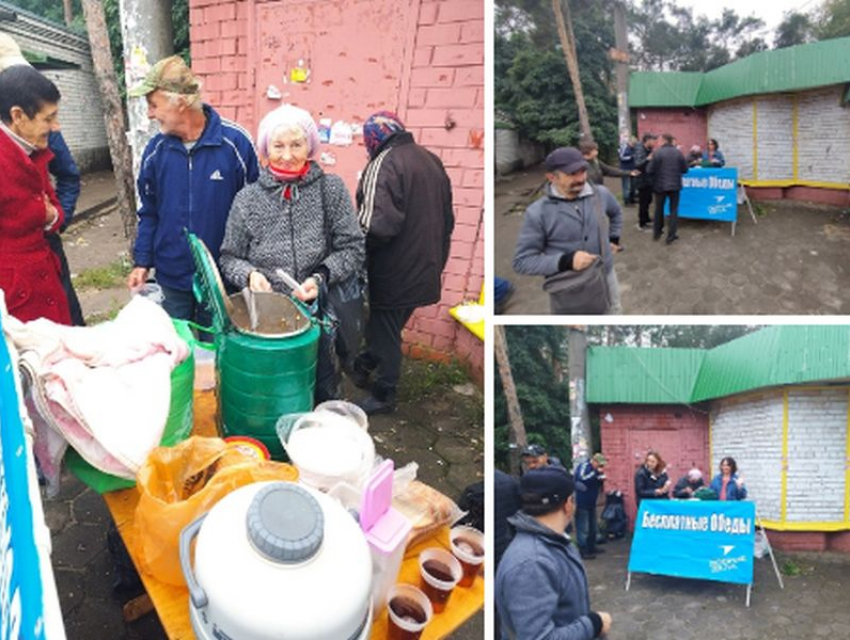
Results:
[631, 375]
[672, 89]
[805, 66]
[774, 356]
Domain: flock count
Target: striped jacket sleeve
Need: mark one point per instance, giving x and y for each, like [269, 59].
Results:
[380, 199]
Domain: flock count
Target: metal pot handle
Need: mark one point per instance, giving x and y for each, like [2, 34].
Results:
[196, 593]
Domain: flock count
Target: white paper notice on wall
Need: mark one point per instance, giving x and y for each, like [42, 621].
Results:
[273, 93]
[341, 134]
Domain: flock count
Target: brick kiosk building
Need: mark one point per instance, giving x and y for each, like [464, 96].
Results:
[423, 59]
[781, 117]
[778, 401]
[65, 57]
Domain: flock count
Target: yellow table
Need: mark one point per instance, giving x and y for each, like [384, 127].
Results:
[172, 603]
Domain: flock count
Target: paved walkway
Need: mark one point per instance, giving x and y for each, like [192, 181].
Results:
[794, 260]
[812, 605]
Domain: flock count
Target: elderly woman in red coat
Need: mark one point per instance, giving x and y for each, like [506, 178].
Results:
[29, 270]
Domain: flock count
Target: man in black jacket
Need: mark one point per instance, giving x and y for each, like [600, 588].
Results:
[404, 201]
[666, 168]
[643, 182]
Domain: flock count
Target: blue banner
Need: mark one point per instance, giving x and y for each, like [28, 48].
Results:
[708, 540]
[708, 194]
[21, 592]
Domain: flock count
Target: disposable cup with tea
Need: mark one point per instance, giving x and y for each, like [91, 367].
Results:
[409, 611]
[440, 572]
[467, 546]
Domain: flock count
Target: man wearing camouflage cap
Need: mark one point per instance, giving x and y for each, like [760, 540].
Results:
[189, 174]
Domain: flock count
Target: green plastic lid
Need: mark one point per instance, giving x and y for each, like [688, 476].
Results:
[207, 284]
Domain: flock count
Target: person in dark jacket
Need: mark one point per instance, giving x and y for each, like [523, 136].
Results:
[651, 481]
[189, 174]
[589, 477]
[688, 484]
[727, 484]
[541, 586]
[596, 169]
[404, 200]
[560, 231]
[643, 182]
[296, 218]
[64, 170]
[506, 503]
[667, 167]
[29, 209]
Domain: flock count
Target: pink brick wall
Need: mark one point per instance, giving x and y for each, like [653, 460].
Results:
[440, 97]
[688, 125]
[679, 435]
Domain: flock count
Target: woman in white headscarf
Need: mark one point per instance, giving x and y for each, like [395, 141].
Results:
[295, 217]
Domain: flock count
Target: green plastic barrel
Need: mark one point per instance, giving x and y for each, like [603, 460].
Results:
[266, 351]
[261, 379]
[178, 427]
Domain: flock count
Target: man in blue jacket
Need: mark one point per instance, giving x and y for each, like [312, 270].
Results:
[189, 174]
[589, 477]
[541, 586]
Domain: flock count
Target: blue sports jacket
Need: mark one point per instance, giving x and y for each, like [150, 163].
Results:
[67, 175]
[193, 190]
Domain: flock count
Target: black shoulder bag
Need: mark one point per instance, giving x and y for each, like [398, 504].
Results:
[582, 292]
[342, 303]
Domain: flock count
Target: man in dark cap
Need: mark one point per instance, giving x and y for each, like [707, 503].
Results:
[561, 230]
[404, 200]
[541, 586]
[643, 182]
[535, 456]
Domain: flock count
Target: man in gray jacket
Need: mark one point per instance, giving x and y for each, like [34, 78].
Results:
[560, 231]
[541, 586]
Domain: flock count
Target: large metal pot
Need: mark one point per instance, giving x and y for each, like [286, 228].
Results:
[278, 560]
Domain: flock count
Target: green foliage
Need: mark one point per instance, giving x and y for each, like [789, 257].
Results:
[538, 357]
[795, 28]
[791, 568]
[532, 83]
[54, 10]
[833, 20]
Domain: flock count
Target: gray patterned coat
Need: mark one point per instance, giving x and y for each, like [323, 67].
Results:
[266, 232]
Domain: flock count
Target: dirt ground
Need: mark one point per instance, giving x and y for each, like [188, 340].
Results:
[438, 424]
[792, 259]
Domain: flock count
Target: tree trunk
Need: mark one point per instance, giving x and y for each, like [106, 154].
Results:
[518, 437]
[113, 114]
[69, 12]
[621, 39]
[579, 417]
[561, 8]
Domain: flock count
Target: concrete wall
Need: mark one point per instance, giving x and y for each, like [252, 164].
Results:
[749, 429]
[423, 59]
[514, 153]
[80, 110]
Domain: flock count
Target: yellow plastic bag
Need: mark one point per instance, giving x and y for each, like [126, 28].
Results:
[178, 484]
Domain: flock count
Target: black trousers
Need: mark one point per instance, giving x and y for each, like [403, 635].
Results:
[644, 200]
[55, 243]
[658, 223]
[383, 349]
